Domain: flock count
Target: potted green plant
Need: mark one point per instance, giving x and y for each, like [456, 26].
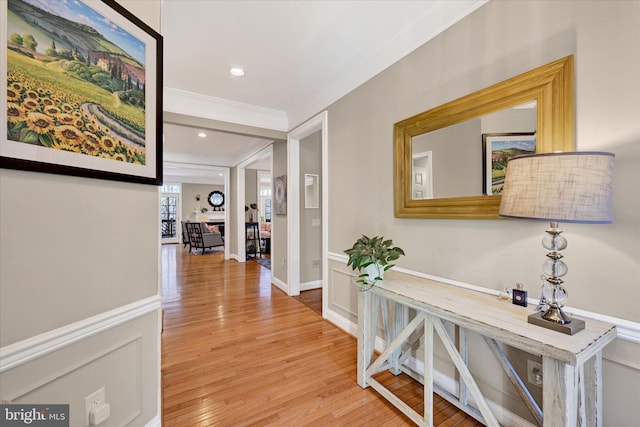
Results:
[371, 256]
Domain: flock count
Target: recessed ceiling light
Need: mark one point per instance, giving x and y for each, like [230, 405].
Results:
[202, 135]
[237, 71]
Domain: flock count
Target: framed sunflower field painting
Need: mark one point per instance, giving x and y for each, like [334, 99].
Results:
[82, 91]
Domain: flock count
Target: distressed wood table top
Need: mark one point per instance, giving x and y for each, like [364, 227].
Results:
[495, 318]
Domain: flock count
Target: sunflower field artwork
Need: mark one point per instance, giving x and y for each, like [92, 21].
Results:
[77, 87]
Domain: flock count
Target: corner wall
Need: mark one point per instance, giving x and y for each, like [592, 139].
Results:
[79, 299]
[279, 245]
[498, 41]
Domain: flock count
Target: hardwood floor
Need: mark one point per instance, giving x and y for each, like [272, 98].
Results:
[237, 351]
[312, 299]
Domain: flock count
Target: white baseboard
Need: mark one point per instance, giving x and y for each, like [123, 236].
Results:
[307, 286]
[341, 322]
[24, 351]
[279, 284]
[155, 422]
[505, 417]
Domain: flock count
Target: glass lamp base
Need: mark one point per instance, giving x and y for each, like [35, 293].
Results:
[555, 314]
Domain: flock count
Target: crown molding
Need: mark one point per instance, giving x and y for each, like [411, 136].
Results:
[197, 105]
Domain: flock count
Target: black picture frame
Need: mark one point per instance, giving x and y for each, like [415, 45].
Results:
[120, 139]
[213, 196]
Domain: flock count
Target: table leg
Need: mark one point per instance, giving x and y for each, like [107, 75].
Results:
[365, 343]
[559, 393]
[428, 370]
[592, 380]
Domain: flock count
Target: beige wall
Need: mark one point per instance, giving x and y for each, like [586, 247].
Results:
[498, 41]
[457, 159]
[310, 218]
[251, 192]
[189, 203]
[74, 252]
[231, 208]
[279, 222]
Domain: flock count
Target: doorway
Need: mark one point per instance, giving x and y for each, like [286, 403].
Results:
[192, 185]
[422, 187]
[169, 213]
[248, 191]
[295, 139]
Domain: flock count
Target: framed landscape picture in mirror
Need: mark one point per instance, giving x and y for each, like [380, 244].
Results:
[497, 149]
[82, 94]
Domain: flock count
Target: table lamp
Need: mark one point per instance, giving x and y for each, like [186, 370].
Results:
[558, 187]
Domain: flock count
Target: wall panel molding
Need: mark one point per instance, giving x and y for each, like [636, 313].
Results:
[56, 375]
[335, 303]
[25, 351]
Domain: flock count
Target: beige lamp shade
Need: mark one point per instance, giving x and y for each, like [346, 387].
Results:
[560, 187]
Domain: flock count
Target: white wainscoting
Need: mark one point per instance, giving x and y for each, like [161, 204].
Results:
[22, 352]
[118, 350]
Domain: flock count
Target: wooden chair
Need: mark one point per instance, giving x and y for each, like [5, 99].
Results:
[185, 235]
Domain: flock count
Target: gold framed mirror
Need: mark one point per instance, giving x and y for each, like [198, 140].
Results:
[549, 89]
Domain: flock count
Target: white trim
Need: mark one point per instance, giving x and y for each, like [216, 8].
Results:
[155, 422]
[314, 284]
[198, 105]
[627, 330]
[293, 210]
[341, 322]
[199, 174]
[280, 284]
[317, 123]
[24, 351]
[450, 385]
[240, 197]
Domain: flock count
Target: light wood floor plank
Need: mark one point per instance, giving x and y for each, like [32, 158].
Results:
[237, 351]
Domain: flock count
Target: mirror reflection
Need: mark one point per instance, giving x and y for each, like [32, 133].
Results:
[438, 154]
[469, 158]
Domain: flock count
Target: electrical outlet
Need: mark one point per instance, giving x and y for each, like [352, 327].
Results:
[534, 373]
[93, 401]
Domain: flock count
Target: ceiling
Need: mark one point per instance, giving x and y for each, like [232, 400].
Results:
[299, 57]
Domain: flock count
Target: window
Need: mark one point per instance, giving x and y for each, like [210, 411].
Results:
[171, 188]
[264, 195]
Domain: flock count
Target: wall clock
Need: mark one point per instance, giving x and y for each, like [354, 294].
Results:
[216, 199]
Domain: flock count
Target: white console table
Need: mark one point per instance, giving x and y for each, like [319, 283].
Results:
[572, 364]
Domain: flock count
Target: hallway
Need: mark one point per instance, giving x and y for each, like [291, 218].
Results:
[237, 351]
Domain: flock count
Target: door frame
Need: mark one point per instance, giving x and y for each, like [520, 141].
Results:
[240, 197]
[200, 174]
[317, 123]
[178, 236]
